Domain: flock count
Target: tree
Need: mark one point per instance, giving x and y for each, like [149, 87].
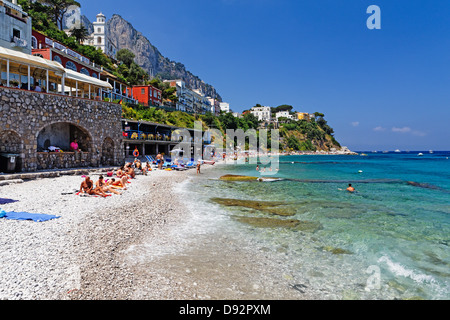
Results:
[58, 8]
[80, 33]
[283, 107]
[125, 56]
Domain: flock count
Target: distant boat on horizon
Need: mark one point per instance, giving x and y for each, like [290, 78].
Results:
[420, 154]
[431, 151]
[397, 151]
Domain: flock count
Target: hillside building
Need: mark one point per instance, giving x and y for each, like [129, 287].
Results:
[15, 27]
[100, 37]
[148, 95]
[262, 113]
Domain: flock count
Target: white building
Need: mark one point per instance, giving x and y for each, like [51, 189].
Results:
[201, 102]
[193, 101]
[215, 106]
[15, 27]
[262, 113]
[225, 107]
[283, 114]
[100, 38]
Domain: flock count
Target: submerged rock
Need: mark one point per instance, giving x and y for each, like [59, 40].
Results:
[279, 223]
[334, 250]
[231, 177]
[272, 207]
[267, 222]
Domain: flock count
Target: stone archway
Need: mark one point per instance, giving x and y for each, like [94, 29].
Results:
[108, 152]
[58, 136]
[11, 143]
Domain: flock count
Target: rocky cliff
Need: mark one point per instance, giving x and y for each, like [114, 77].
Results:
[124, 36]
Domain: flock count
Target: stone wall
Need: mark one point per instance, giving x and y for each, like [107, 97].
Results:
[24, 115]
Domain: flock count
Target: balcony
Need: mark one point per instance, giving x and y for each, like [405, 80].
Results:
[22, 43]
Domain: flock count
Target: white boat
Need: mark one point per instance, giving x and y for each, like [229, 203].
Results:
[431, 151]
[397, 151]
[420, 154]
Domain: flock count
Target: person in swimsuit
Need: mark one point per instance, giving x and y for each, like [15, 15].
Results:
[350, 188]
[87, 186]
[159, 161]
[104, 187]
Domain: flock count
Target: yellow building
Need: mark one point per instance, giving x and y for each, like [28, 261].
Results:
[303, 116]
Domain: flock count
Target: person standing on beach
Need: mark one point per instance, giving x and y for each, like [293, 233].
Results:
[199, 164]
[159, 161]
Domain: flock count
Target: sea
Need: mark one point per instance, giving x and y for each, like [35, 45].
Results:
[388, 240]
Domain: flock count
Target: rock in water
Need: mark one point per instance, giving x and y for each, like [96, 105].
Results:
[272, 207]
[231, 177]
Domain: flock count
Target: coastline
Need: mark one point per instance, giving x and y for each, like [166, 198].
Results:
[85, 254]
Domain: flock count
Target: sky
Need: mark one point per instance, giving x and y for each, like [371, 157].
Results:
[380, 89]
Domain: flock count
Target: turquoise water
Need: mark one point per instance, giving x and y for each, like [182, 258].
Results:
[389, 240]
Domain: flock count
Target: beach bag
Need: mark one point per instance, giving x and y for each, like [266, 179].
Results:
[2, 213]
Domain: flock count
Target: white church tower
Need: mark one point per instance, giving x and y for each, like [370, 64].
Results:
[100, 39]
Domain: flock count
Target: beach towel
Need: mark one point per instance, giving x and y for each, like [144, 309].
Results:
[6, 201]
[29, 216]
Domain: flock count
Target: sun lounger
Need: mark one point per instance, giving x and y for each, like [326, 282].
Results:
[150, 159]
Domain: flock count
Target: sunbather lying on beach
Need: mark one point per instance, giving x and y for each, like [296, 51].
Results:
[117, 184]
[103, 187]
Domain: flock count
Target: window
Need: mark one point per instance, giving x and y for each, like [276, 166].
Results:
[94, 75]
[34, 43]
[57, 59]
[99, 30]
[85, 71]
[142, 91]
[70, 65]
[16, 33]
[99, 40]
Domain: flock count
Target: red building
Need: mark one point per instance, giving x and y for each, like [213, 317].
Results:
[148, 95]
[50, 49]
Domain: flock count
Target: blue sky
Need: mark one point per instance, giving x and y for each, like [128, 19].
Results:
[379, 89]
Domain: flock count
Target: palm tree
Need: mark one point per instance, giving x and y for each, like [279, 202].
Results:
[80, 33]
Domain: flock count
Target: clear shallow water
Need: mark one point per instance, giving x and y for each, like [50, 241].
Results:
[389, 240]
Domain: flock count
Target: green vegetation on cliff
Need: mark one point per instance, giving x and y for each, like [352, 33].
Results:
[300, 135]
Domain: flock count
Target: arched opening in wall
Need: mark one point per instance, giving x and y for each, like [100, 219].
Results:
[108, 152]
[11, 149]
[54, 150]
[58, 137]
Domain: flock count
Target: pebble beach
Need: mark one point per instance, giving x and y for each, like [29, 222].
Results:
[89, 252]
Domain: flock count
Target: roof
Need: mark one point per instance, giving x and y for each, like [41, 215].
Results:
[73, 75]
[34, 61]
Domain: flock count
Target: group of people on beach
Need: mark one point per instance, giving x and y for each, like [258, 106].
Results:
[103, 187]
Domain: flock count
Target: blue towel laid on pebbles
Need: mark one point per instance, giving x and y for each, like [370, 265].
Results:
[26, 216]
[6, 201]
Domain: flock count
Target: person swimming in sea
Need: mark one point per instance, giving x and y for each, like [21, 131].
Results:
[350, 188]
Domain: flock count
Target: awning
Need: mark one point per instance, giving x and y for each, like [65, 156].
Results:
[76, 76]
[26, 59]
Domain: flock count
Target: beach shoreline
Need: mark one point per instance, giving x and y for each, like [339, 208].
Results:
[73, 257]
[85, 254]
